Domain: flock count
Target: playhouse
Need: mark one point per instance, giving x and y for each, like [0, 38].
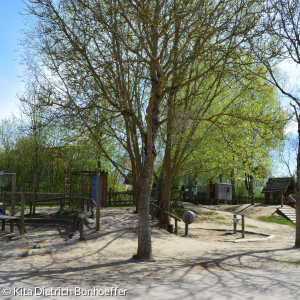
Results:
[276, 188]
[219, 192]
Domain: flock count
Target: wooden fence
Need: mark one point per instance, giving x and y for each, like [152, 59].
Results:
[124, 198]
[115, 198]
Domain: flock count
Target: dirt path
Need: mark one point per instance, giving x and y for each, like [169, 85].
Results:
[104, 260]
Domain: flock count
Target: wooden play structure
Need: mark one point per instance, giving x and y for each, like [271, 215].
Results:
[278, 189]
[12, 219]
[80, 189]
[219, 192]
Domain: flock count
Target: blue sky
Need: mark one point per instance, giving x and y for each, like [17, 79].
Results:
[10, 69]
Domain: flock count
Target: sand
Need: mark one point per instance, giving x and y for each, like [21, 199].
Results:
[104, 259]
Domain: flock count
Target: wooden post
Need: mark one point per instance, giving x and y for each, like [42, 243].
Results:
[22, 231]
[30, 205]
[13, 195]
[281, 201]
[176, 227]
[75, 223]
[3, 225]
[109, 197]
[92, 208]
[13, 201]
[98, 197]
[105, 189]
[70, 189]
[243, 226]
[81, 190]
[34, 192]
[234, 223]
[81, 227]
[65, 187]
[4, 203]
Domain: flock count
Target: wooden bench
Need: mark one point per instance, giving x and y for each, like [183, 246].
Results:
[19, 221]
[13, 221]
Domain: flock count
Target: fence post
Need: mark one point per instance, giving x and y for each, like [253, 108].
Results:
[98, 198]
[109, 196]
[81, 218]
[13, 195]
[234, 223]
[243, 226]
[3, 208]
[34, 192]
[22, 212]
[81, 190]
[13, 201]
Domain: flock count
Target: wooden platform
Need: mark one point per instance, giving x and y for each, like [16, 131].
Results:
[287, 212]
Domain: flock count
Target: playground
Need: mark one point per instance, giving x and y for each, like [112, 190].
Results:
[105, 258]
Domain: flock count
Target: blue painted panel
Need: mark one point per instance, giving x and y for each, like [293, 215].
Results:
[94, 188]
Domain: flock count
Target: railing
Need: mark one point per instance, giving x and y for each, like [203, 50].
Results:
[176, 219]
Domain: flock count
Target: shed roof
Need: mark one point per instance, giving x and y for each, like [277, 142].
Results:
[279, 185]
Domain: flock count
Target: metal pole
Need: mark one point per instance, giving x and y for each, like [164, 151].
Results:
[187, 224]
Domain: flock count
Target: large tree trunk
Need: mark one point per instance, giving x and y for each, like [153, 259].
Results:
[144, 230]
[297, 240]
[167, 180]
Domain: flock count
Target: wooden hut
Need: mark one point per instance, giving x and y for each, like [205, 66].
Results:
[276, 188]
[219, 192]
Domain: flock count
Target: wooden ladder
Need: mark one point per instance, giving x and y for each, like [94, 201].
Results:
[287, 212]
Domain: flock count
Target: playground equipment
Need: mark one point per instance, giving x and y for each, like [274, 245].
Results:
[235, 221]
[188, 217]
[81, 187]
[19, 221]
[170, 229]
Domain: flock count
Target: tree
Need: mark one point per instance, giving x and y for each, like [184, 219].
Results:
[282, 42]
[231, 135]
[116, 69]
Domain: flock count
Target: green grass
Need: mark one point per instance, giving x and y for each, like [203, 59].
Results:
[278, 220]
[67, 212]
[292, 262]
[224, 223]
[251, 226]
[210, 213]
[206, 219]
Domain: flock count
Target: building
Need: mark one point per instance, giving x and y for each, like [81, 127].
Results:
[276, 188]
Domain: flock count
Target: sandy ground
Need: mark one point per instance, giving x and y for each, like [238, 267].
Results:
[104, 259]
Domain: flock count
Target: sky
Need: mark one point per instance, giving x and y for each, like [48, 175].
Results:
[10, 69]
